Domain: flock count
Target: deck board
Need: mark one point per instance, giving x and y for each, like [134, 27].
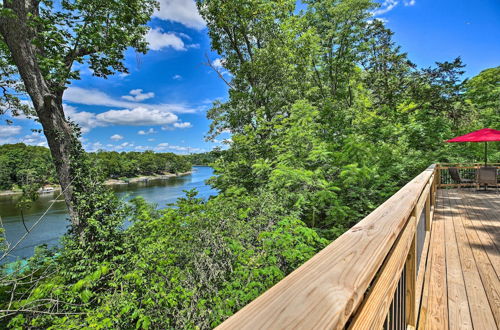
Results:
[462, 285]
[458, 305]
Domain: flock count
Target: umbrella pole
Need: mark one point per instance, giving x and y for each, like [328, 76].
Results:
[485, 154]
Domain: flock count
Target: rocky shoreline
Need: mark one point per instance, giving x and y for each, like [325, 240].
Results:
[109, 182]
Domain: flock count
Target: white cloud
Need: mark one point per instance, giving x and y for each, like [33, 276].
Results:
[380, 19]
[131, 114]
[151, 140]
[157, 40]
[177, 77]
[136, 117]
[181, 11]
[116, 137]
[96, 97]
[136, 95]
[124, 145]
[97, 144]
[8, 130]
[218, 63]
[388, 5]
[185, 124]
[385, 6]
[149, 131]
[177, 125]
[181, 149]
[86, 120]
[35, 139]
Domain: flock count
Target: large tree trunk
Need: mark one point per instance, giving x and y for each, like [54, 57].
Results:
[19, 36]
[61, 141]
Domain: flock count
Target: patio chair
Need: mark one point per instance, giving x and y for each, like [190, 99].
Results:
[455, 176]
[487, 176]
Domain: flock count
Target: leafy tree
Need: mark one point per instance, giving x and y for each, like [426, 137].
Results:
[328, 118]
[22, 164]
[39, 43]
[483, 92]
[310, 101]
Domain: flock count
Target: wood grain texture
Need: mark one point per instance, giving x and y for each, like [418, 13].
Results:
[437, 310]
[374, 309]
[483, 213]
[458, 305]
[327, 289]
[481, 314]
[488, 275]
[471, 281]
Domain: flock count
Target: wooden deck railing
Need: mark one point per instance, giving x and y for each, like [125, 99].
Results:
[466, 172]
[368, 278]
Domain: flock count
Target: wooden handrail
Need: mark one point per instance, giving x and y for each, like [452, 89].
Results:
[345, 283]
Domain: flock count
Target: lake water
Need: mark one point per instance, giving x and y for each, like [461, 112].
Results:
[55, 222]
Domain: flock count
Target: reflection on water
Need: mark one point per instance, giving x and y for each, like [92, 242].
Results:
[55, 223]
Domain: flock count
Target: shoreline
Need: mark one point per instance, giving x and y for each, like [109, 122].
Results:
[108, 182]
[144, 178]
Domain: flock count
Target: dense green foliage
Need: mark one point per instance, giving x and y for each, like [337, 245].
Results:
[328, 118]
[129, 164]
[182, 267]
[205, 158]
[21, 164]
[326, 110]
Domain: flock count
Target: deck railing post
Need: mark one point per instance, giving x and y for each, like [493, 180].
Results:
[438, 175]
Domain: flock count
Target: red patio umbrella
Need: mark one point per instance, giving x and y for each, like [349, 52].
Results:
[483, 135]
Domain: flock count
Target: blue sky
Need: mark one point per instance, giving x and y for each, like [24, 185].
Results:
[161, 105]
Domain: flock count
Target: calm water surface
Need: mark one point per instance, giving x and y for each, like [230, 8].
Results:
[55, 222]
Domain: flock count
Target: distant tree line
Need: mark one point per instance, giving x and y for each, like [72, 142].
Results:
[130, 164]
[205, 158]
[22, 164]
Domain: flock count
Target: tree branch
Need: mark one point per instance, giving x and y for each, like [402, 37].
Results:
[220, 74]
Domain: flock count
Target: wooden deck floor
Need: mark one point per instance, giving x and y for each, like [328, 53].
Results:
[462, 285]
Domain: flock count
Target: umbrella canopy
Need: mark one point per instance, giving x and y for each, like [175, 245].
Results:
[483, 135]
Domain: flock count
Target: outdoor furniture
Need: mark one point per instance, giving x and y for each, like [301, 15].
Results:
[487, 176]
[455, 176]
[483, 135]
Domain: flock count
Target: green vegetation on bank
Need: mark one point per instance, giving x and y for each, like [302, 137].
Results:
[205, 158]
[328, 118]
[130, 164]
[21, 164]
